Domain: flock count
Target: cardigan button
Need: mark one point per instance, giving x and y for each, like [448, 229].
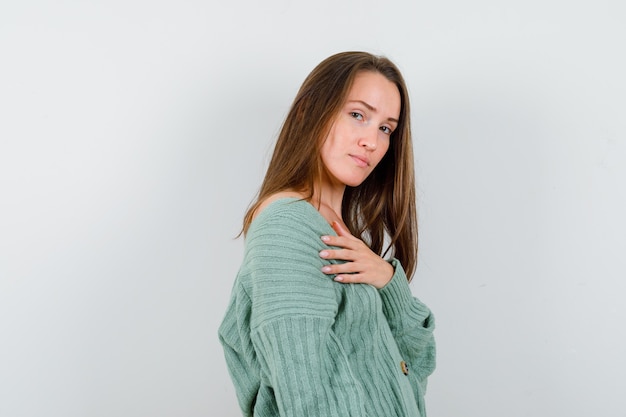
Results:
[404, 367]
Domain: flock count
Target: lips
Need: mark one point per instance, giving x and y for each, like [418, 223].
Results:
[361, 161]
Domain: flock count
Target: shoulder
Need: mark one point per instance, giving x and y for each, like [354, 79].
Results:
[285, 210]
[287, 222]
[281, 269]
[275, 197]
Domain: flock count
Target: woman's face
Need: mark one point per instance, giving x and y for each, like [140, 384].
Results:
[360, 135]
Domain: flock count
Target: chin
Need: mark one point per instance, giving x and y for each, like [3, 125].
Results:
[350, 179]
[354, 182]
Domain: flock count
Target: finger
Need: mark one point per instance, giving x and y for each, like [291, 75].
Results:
[342, 242]
[341, 278]
[350, 279]
[345, 268]
[340, 230]
[340, 254]
[359, 278]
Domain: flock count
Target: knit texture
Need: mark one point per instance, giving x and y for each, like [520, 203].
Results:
[298, 344]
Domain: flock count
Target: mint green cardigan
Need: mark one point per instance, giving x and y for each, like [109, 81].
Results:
[298, 344]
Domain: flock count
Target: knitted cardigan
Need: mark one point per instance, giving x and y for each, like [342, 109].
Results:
[298, 344]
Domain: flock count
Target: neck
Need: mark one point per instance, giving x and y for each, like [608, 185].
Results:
[330, 197]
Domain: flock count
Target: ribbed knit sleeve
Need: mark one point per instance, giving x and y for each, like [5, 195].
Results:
[294, 307]
[298, 344]
[412, 326]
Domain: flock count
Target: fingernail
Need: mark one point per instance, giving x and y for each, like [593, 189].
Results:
[325, 238]
[326, 269]
[339, 278]
[324, 254]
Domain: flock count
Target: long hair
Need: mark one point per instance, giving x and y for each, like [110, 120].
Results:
[381, 210]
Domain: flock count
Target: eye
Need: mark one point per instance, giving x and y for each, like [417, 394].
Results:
[386, 130]
[356, 115]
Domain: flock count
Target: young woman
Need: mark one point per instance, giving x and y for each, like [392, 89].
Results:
[321, 320]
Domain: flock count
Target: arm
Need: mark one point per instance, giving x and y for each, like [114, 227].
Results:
[412, 325]
[410, 321]
[293, 309]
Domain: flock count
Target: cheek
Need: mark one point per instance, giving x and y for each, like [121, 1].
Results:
[327, 153]
[333, 144]
[326, 149]
[383, 148]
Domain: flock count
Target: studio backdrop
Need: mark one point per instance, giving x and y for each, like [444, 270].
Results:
[134, 134]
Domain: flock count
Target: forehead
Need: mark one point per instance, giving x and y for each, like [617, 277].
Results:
[377, 91]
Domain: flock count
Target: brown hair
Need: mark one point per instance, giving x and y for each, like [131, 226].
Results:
[381, 207]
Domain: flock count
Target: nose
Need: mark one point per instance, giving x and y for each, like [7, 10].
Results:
[369, 140]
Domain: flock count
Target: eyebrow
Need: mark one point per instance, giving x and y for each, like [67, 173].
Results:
[371, 108]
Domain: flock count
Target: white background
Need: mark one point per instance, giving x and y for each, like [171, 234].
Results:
[133, 135]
